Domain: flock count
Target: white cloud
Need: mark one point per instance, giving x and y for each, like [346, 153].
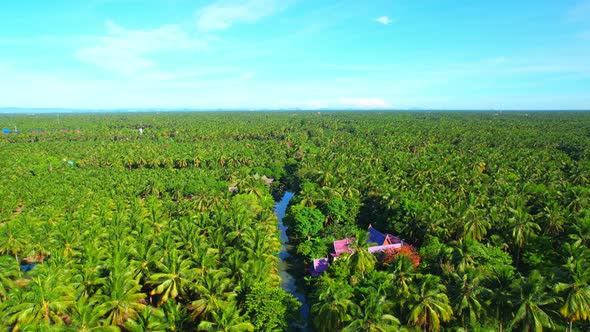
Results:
[222, 14]
[186, 73]
[384, 20]
[124, 51]
[248, 75]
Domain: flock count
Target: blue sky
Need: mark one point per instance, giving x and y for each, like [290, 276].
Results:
[444, 54]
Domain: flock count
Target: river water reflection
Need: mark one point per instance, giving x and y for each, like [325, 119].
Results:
[288, 282]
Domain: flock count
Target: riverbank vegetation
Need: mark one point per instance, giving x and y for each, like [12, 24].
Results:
[172, 228]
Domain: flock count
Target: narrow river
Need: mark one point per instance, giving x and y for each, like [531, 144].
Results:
[288, 282]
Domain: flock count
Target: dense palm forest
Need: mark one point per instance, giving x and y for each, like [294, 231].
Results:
[104, 227]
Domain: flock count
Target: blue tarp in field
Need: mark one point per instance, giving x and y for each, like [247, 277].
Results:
[27, 267]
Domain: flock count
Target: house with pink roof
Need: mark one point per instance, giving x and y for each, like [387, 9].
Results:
[383, 241]
[340, 247]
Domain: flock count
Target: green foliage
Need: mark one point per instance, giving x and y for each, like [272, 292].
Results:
[361, 261]
[431, 255]
[491, 258]
[314, 248]
[225, 319]
[532, 303]
[336, 210]
[430, 307]
[170, 229]
[308, 222]
[407, 214]
[340, 270]
[270, 308]
[334, 305]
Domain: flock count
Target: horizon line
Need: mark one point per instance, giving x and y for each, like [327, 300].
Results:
[21, 110]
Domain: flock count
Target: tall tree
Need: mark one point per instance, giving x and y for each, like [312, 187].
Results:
[47, 299]
[501, 298]
[172, 277]
[270, 308]
[532, 301]
[88, 315]
[476, 224]
[333, 309]
[430, 307]
[13, 240]
[123, 298]
[469, 295]
[523, 227]
[149, 320]
[576, 288]
[403, 282]
[371, 315]
[212, 290]
[361, 260]
[226, 319]
[9, 270]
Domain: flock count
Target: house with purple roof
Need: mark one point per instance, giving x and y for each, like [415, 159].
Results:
[319, 266]
[381, 239]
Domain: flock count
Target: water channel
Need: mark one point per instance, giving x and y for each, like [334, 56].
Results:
[288, 282]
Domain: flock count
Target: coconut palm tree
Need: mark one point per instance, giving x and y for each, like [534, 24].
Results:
[372, 316]
[144, 261]
[9, 271]
[362, 261]
[555, 220]
[501, 299]
[523, 227]
[469, 298]
[212, 289]
[89, 268]
[47, 299]
[430, 307]
[12, 241]
[576, 304]
[332, 312]
[123, 297]
[460, 256]
[476, 224]
[533, 299]
[176, 316]
[87, 314]
[204, 259]
[226, 319]
[262, 246]
[173, 277]
[403, 282]
[581, 228]
[149, 320]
